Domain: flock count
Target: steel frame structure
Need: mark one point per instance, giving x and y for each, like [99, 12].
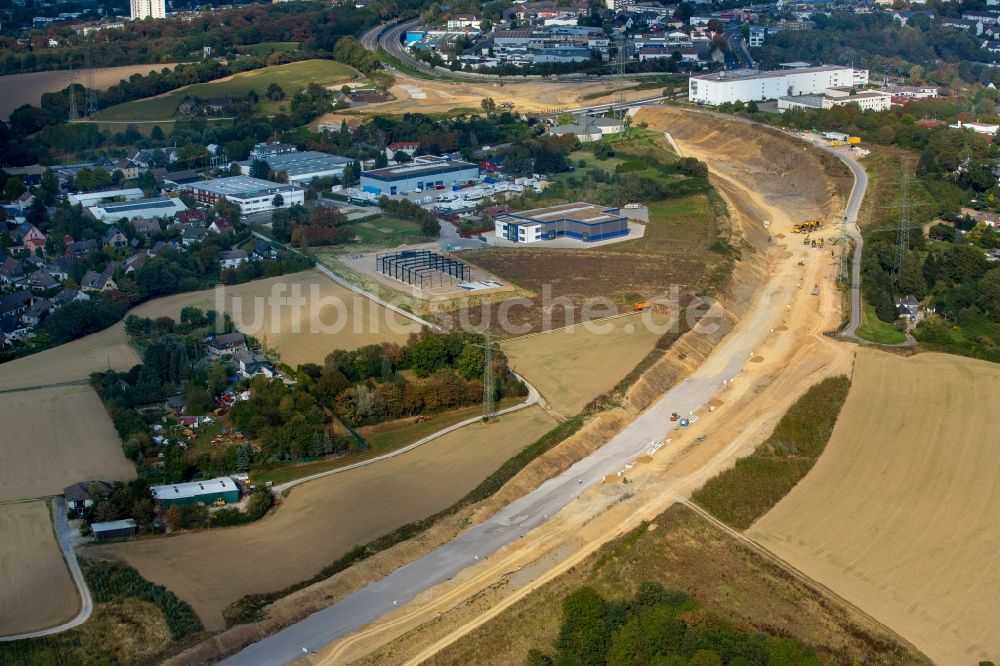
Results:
[418, 268]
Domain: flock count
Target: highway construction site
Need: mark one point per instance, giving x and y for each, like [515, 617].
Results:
[627, 464]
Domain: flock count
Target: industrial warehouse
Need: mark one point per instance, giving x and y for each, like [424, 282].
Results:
[584, 221]
[252, 195]
[424, 173]
[143, 209]
[197, 492]
[304, 166]
[745, 85]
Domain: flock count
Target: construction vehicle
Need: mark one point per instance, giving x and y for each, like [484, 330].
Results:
[853, 140]
[821, 242]
[675, 416]
[640, 306]
[805, 241]
[813, 242]
[836, 143]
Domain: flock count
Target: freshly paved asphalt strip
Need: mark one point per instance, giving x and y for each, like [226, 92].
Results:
[527, 512]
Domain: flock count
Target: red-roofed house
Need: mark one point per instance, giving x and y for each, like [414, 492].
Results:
[408, 147]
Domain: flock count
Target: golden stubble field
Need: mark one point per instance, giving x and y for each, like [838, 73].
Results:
[899, 514]
[37, 590]
[322, 519]
[28, 88]
[572, 366]
[304, 315]
[54, 437]
[360, 321]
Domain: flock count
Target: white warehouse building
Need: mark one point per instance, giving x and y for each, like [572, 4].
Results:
[252, 195]
[745, 85]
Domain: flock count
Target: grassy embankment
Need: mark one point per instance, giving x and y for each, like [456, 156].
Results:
[133, 621]
[292, 78]
[875, 330]
[741, 495]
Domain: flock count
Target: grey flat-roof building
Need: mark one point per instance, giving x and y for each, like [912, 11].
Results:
[115, 529]
[304, 166]
[421, 174]
[143, 209]
[584, 221]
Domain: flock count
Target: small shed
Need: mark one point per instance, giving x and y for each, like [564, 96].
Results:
[115, 529]
[197, 492]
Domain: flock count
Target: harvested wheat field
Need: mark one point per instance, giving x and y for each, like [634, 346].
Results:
[38, 591]
[28, 88]
[330, 317]
[899, 514]
[323, 519]
[70, 362]
[572, 366]
[54, 437]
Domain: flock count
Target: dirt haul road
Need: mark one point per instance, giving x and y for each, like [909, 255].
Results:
[568, 517]
[899, 514]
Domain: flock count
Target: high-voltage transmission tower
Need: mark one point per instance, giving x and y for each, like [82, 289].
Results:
[621, 112]
[489, 378]
[74, 112]
[903, 230]
[90, 87]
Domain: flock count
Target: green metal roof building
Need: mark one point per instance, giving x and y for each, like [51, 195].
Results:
[197, 492]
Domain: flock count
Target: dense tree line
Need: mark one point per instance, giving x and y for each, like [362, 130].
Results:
[659, 626]
[945, 56]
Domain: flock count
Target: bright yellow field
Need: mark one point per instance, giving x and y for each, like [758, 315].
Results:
[328, 317]
[54, 437]
[572, 366]
[37, 590]
[323, 519]
[899, 515]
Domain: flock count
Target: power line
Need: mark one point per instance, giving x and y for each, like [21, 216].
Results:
[90, 86]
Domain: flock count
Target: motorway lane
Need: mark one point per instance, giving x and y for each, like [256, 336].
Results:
[531, 510]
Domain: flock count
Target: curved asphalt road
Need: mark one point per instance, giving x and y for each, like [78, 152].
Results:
[66, 544]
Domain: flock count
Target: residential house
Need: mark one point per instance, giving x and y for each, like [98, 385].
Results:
[408, 147]
[193, 235]
[29, 236]
[13, 328]
[251, 364]
[190, 216]
[78, 249]
[127, 168]
[66, 296]
[226, 343]
[16, 303]
[220, 225]
[264, 250]
[59, 267]
[94, 281]
[147, 157]
[145, 228]
[233, 258]
[37, 312]
[12, 271]
[81, 495]
[908, 307]
[135, 262]
[114, 238]
[41, 279]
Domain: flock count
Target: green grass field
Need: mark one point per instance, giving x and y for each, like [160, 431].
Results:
[292, 78]
[875, 330]
[386, 230]
[744, 493]
[265, 49]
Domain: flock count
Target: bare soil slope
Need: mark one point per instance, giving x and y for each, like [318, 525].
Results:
[899, 514]
[54, 437]
[322, 519]
[37, 590]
